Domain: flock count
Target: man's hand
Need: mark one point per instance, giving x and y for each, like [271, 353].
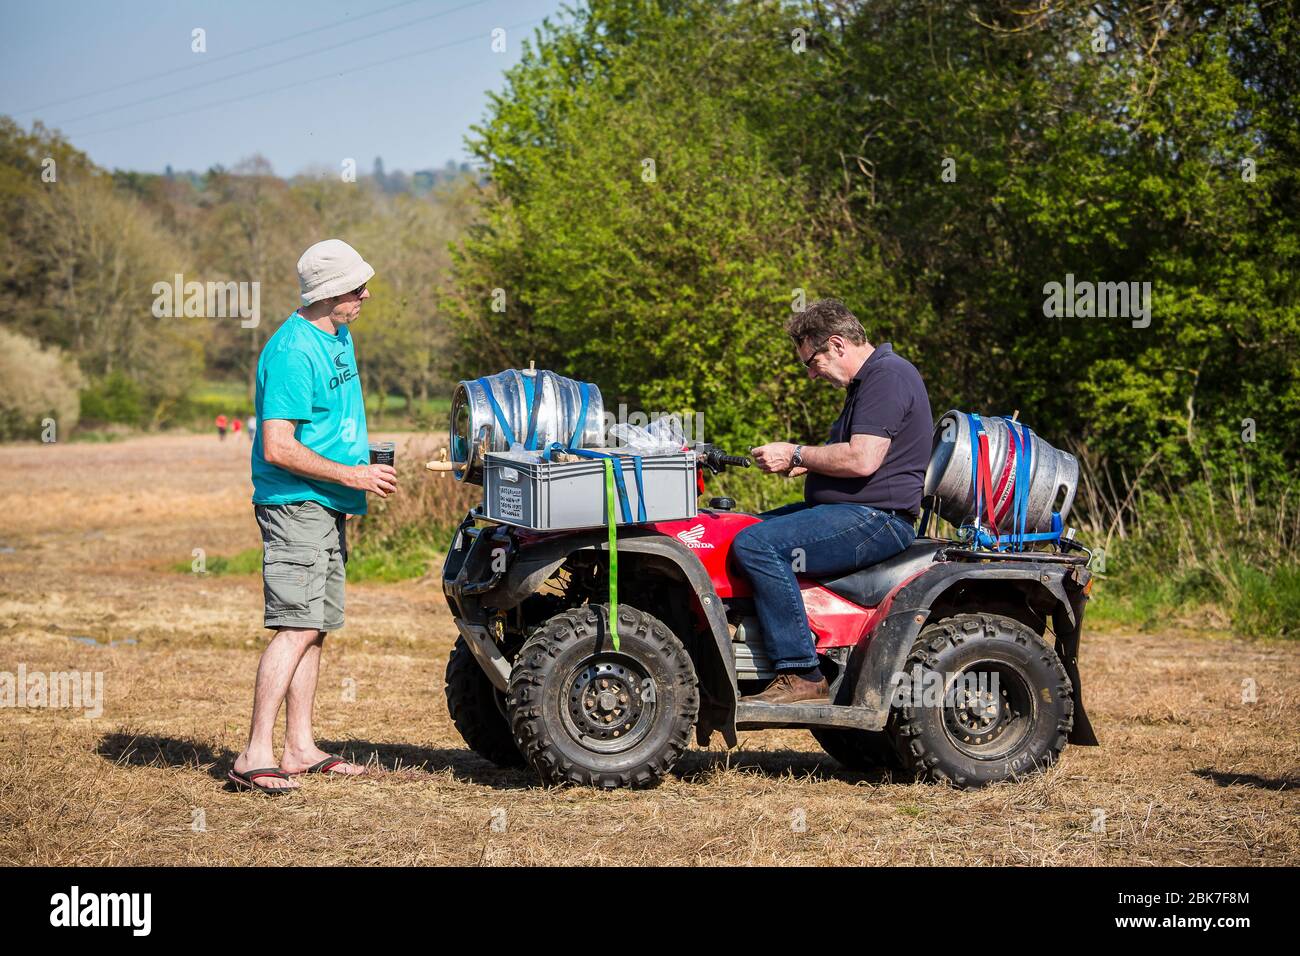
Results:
[379, 480]
[777, 456]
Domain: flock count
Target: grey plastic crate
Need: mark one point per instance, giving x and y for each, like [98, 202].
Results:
[552, 496]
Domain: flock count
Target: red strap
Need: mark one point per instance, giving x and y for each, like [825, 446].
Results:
[986, 482]
[1003, 494]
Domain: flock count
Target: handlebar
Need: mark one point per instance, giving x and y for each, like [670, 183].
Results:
[740, 461]
[716, 460]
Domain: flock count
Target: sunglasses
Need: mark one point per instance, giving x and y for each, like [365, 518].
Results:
[807, 363]
[359, 290]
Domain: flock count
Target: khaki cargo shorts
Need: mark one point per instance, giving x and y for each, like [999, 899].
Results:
[304, 551]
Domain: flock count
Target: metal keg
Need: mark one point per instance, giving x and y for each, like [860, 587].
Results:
[1053, 479]
[475, 428]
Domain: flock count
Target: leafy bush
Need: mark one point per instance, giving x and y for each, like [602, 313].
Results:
[114, 399]
[776, 169]
[39, 383]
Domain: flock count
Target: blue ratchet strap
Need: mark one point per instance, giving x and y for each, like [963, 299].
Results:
[975, 429]
[506, 431]
[1020, 490]
[575, 440]
[1013, 442]
[531, 396]
[1024, 475]
[987, 540]
[640, 491]
[618, 480]
[1022, 437]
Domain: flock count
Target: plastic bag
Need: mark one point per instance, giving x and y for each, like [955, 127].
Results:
[517, 452]
[663, 436]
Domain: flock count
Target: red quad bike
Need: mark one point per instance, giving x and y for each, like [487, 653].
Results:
[534, 678]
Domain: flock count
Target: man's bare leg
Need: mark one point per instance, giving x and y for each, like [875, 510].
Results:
[300, 750]
[274, 675]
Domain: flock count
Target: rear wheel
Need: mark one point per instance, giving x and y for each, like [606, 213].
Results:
[586, 714]
[989, 701]
[478, 709]
[858, 749]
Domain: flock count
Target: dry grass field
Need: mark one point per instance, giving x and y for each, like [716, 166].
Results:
[1187, 773]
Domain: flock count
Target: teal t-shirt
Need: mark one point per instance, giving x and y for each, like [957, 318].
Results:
[310, 377]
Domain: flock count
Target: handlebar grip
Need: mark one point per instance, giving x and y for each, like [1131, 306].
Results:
[740, 461]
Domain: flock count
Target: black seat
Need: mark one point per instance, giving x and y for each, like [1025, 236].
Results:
[868, 586]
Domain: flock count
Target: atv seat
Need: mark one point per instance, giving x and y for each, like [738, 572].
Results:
[868, 586]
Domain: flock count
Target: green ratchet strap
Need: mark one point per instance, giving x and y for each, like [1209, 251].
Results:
[612, 520]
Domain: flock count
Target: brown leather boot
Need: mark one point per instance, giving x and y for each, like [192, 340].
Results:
[791, 689]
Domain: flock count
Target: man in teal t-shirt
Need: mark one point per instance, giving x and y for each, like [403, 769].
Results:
[308, 376]
[311, 469]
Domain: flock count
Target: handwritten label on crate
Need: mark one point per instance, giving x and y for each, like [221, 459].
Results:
[510, 502]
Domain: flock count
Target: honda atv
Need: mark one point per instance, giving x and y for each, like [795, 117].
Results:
[945, 662]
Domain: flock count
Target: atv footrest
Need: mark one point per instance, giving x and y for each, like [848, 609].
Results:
[760, 716]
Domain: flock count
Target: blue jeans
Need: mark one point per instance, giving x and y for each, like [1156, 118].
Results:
[819, 540]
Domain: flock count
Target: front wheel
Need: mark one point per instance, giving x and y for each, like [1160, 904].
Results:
[985, 699]
[583, 713]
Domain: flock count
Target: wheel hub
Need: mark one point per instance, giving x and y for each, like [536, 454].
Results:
[989, 717]
[980, 714]
[603, 706]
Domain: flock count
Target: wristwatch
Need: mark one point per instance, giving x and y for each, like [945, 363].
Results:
[797, 458]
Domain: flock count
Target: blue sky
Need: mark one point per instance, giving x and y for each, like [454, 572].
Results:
[319, 88]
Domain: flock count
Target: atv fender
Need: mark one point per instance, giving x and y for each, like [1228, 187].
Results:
[882, 654]
[533, 565]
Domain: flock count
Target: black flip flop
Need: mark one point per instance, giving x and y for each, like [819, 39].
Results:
[248, 779]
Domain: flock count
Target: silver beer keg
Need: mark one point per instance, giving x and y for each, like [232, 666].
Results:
[476, 428]
[1053, 479]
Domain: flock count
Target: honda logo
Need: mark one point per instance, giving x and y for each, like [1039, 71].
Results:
[691, 537]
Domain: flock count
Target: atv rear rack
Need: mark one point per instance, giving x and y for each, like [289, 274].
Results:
[1028, 557]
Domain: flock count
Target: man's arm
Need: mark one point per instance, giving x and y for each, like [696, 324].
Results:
[282, 449]
[858, 457]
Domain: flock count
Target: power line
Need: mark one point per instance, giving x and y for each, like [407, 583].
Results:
[306, 82]
[208, 61]
[267, 66]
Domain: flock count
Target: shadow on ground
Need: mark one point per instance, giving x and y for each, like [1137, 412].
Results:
[146, 750]
[1224, 779]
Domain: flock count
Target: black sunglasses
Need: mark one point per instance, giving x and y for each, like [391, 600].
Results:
[820, 349]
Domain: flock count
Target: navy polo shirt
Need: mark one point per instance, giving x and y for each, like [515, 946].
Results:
[886, 398]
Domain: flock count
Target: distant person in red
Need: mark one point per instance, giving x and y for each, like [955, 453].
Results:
[221, 427]
[236, 425]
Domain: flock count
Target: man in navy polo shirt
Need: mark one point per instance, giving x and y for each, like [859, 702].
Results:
[861, 497]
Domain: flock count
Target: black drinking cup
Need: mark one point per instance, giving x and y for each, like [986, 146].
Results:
[382, 452]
